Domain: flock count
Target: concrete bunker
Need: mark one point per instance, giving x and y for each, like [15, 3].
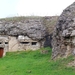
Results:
[26, 43]
[20, 43]
[22, 34]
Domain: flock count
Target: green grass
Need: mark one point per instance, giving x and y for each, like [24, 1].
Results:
[19, 18]
[34, 63]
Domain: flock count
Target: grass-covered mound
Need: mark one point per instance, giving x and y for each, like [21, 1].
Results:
[34, 63]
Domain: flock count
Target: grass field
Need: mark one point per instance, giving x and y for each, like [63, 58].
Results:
[34, 63]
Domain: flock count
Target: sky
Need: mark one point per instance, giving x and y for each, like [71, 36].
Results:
[10, 8]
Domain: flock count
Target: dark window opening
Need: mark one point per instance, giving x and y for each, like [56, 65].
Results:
[24, 42]
[34, 43]
[0, 42]
[6, 42]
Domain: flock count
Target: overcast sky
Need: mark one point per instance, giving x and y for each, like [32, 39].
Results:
[9, 8]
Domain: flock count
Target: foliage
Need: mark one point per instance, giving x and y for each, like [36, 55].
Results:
[34, 63]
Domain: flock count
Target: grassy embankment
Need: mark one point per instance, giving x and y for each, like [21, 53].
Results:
[34, 63]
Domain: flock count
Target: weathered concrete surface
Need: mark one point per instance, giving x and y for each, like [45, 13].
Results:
[36, 28]
[13, 44]
[30, 27]
[4, 44]
[64, 34]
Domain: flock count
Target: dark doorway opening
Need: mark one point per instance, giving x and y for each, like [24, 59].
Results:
[48, 41]
[1, 52]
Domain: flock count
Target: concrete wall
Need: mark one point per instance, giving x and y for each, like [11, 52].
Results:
[29, 45]
[4, 43]
[13, 44]
[20, 43]
[26, 43]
